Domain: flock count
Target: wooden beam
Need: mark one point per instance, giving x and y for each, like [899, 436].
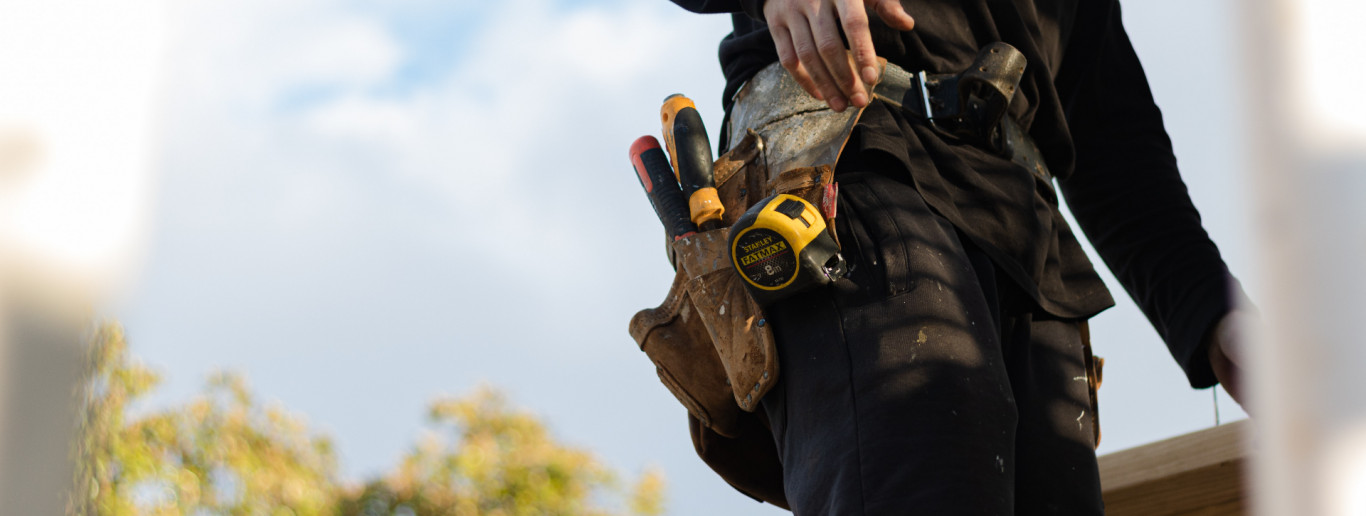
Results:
[1199, 473]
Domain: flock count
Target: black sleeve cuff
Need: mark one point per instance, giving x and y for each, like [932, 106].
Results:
[1188, 338]
[755, 9]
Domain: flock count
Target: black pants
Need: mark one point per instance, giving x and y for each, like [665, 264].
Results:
[922, 384]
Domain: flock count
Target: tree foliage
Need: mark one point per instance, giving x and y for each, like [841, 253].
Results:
[484, 458]
[224, 453]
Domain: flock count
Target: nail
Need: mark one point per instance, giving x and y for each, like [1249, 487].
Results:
[837, 103]
[869, 74]
[860, 99]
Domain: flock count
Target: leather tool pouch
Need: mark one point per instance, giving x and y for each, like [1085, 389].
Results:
[709, 341]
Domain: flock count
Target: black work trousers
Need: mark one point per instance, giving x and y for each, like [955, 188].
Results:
[922, 384]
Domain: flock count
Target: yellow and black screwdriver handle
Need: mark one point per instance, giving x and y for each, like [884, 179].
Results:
[686, 139]
[780, 246]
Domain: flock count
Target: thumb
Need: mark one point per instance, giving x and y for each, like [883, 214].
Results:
[892, 13]
[1230, 334]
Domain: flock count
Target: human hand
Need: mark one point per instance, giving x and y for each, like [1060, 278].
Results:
[806, 33]
[1227, 354]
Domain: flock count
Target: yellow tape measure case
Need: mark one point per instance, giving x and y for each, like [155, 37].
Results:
[780, 246]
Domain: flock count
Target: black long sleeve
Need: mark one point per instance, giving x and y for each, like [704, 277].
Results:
[753, 8]
[1128, 197]
[745, 50]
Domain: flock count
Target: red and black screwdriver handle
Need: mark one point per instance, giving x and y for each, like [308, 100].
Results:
[652, 167]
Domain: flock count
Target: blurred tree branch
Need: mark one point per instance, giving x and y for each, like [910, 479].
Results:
[223, 453]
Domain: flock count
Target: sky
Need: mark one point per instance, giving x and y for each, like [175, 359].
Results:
[362, 205]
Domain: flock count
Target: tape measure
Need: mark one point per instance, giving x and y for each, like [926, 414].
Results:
[780, 246]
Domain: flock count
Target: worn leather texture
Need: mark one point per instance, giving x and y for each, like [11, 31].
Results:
[679, 345]
[739, 335]
[709, 341]
[708, 312]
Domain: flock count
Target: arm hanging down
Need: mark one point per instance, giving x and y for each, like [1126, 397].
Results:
[1128, 196]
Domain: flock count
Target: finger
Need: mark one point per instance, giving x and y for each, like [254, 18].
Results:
[1232, 384]
[854, 18]
[1236, 393]
[787, 55]
[811, 59]
[826, 33]
[1226, 372]
[1230, 333]
[893, 14]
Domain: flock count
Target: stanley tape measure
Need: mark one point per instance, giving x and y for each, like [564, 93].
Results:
[780, 247]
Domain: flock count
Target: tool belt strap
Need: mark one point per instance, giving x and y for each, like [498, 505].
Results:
[970, 105]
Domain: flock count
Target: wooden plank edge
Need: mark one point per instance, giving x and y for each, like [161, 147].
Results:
[1168, 458]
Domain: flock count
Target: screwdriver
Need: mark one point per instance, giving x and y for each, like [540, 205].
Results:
[687, 141]
[652, 168]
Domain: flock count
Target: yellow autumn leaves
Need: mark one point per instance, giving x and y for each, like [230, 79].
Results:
[224, 453]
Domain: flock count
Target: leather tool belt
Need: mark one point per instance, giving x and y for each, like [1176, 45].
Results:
[971, 105]
[709, 341]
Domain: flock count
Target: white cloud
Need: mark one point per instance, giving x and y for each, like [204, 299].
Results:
[246, 54]
[533, 99]
[381, 224]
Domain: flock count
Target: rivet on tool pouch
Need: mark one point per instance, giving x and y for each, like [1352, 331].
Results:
[780, 247]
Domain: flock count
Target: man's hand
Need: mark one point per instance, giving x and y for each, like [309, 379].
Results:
[1226, 353]
[806, 33]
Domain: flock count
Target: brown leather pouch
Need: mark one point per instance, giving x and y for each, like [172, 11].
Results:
[710, 343]
[709, 307]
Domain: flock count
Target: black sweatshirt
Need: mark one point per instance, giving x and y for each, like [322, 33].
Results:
[1086, 102]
